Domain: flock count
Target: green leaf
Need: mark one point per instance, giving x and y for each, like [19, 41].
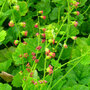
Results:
[5, 87]
[54, 14]
[6, 54]
[55, 63]
[82, 2]
[72, 30]
[32, 43]
[17, 80]
[5, 65]
[2, 35]
[23, 8]
[42, 5]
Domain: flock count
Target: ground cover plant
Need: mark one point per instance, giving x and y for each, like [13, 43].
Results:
[44, 45]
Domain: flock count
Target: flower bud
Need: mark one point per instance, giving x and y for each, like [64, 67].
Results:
[74, 37]
[26, 55]
[65, 46]
[23, 24]
[38, 48]
[16, 42]
[36, 60]
[43, 40]
[37, 34]
[16, 7]
[75, 23]
[44, 29]
[41, 12]
[76, 13]
[11, 23]
[36, 25]
[24, 33]
[43, 17]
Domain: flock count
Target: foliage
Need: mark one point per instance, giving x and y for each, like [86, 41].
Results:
[45, 44]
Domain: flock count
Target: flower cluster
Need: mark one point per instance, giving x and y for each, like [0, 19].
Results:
[49, 54]
[34, 57]
[50, 69]
[39, 82]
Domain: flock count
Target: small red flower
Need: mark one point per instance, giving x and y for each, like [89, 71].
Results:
[43, 40]
[27, 65]
[52, 54]
[75, 23]
[25, 43]
[16, 42]
[47, 51]
[76, 12]
[20, 55]
[36, 60]
[74, 37]
[34, 57]
[43, 17]
[26, 55]
[65, 46]
[41, 12]
[23, 24]
[31, 74]
[33, 54]
[35, 83]
[45, 81]
[40, 81]
[43, 35]
[28, 69]
[50, 69]
[11, 23]
[44, 29]
[38, 48]
[24, 33]
[37, 34]
[53, 41]
[36, 25]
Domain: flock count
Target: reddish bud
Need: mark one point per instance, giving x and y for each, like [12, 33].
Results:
[34, 57]
[65, 46]
[28, 69]
[31, 74]
[23, 24]
[36, 25]
[27, 65]
[24, 33]
[37, 34]
[11, 23]
[26, 55]
[76, 12]
[36, 60]
[38, 48]
[44, 29]
[41, 12]
[47, 51]
[43, 17]
[35, 83]
[45, 81]
[40, 81]
[16, 42]
[74, 37]
[75, 23]
[20, 55]
[25, 43]
[43, 40]
[43, 35]
[33, 54]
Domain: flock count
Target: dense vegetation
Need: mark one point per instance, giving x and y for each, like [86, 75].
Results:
[44, 45]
